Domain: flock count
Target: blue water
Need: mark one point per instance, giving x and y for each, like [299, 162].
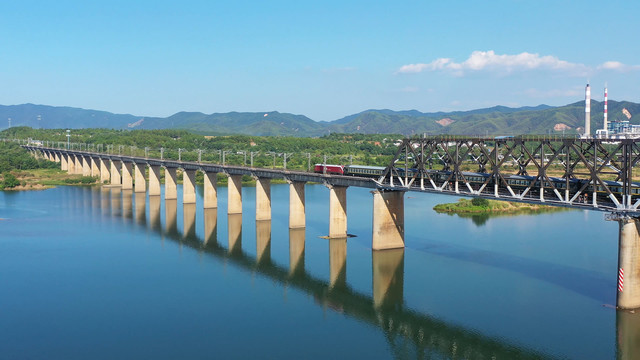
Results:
[101, 273]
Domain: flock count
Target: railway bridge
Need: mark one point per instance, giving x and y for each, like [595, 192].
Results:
[592, 174]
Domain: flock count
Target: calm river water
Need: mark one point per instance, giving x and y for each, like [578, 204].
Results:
[103, 274]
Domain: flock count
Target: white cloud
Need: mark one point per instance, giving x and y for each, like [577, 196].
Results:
[505, 64]
[617, 66]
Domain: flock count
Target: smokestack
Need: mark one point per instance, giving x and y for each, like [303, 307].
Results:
[605, 109]
[587, 112]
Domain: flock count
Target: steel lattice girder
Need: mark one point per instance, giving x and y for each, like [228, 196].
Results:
[583, 167]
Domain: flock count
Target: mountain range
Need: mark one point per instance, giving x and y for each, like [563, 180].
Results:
[498, 120]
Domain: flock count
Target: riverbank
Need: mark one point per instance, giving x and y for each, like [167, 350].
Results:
[40, 179]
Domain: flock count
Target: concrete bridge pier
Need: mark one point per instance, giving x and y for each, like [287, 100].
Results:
[234, 192]
[189, 187]
[210, 226]
[628, 264]
[104, 171]
[116, 168]
[64, 162]
[154, 180]
[56, 157]
[388, 220]
[170, 187]
[140, 184]
[127, 176]
[71, 164]
[210, 190]
[263, 199]
[263, 241]
[296, 251]
[95, 168]
[338, 262]
[234, 225]
[337, 211]
[86, 165]
[388, 278]
[297, 217]
[78, 167]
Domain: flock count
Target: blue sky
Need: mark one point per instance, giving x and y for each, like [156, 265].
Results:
[323, 59]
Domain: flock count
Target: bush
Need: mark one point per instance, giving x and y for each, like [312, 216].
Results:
[10, 181]
[481, 202]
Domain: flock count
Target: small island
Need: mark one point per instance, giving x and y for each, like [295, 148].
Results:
[484, 206]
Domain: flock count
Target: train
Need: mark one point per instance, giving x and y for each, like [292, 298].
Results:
[477, 179]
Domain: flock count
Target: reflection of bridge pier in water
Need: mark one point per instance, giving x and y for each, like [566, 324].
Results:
[628, 335]
[155, 221]
[116, 201]
[189, 220]
[171, 216]
[235, 233]
[263, 241]
[296, 251]
[338, 263]
[388, 278]
[127, 204]
[140, 200]
[210, 226]
[384, 308]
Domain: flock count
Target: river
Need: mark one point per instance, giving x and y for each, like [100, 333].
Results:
[90, 272]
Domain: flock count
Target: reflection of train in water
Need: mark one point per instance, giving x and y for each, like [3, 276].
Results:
[476, 179]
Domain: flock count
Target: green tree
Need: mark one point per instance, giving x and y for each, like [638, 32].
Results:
[10, 181]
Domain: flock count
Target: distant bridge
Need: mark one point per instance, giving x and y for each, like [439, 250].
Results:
[578, 173]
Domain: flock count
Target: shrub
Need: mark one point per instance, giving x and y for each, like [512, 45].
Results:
[481, 202]
[10, 181]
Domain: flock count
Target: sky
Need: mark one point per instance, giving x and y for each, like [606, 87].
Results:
[322, 59]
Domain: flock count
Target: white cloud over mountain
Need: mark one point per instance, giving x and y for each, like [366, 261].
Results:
[505, 64]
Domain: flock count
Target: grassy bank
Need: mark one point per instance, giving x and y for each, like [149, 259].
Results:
[36, 179]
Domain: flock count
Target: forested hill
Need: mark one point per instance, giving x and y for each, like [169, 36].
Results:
[497, 120]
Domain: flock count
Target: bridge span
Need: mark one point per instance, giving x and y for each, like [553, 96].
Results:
[578, 173]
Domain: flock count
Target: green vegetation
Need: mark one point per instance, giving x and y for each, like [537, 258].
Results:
[9, 181]
[20, 170]
[238, 149]
[481, 205]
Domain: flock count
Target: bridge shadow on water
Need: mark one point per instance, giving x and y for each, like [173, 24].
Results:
[409, 333]
[583, 282]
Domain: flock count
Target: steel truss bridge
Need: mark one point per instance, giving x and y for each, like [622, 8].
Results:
[584, 173]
